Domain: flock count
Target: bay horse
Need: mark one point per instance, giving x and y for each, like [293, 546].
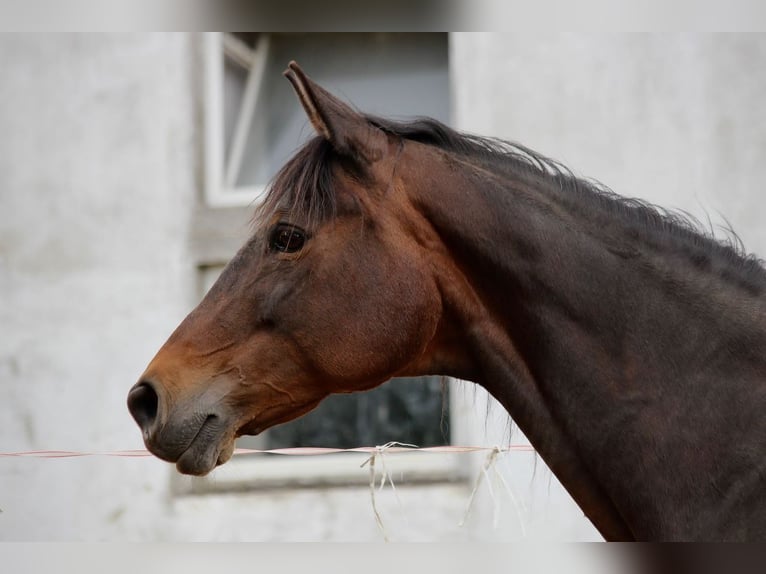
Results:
[628, 345]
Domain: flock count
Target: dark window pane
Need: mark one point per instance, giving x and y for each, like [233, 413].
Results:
[408, 410]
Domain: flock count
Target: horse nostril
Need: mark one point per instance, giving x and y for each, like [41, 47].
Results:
[143, 402]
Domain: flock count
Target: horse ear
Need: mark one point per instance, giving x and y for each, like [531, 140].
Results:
[346, 129]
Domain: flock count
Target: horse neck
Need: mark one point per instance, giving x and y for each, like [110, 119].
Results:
[593, 339]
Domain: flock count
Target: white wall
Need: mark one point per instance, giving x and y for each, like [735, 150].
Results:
[98, 151]
[99, 169]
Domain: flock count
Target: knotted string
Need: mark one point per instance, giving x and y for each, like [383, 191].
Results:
[490, 463]
[385, 476]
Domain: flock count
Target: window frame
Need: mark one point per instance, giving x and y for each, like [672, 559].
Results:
[219, 189]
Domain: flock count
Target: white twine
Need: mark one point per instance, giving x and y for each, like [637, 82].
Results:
[490, 464]
[519, 507]
[385, 476]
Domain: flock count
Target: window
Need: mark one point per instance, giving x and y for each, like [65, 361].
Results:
[253, 124]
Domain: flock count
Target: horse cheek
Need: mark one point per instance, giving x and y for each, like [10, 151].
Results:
[370, 325]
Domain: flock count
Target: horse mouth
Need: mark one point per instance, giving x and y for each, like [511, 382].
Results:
[209, 448]
[212, 446]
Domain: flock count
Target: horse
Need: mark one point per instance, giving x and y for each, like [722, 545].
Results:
[627, 343]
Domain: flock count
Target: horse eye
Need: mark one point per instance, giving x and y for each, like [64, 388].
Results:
[287, 239]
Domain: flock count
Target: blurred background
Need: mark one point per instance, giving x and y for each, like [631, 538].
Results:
[129, 167]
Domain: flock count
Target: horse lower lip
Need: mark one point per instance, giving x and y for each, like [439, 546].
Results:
[197, 464]
[199, 459]
[202, 453]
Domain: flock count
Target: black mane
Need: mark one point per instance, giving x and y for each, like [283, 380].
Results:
[305, 183]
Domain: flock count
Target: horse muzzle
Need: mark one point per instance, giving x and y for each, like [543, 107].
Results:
[194, 434]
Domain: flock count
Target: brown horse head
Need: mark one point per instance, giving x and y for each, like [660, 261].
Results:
[323, 298]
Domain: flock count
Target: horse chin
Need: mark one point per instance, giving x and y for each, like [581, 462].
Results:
[202, 457]
[226, 453]
[251, 429]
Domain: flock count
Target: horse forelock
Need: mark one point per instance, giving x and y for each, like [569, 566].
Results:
[303, 187]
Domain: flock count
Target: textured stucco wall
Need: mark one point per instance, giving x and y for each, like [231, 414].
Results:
[100, 150]
[97, 154]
